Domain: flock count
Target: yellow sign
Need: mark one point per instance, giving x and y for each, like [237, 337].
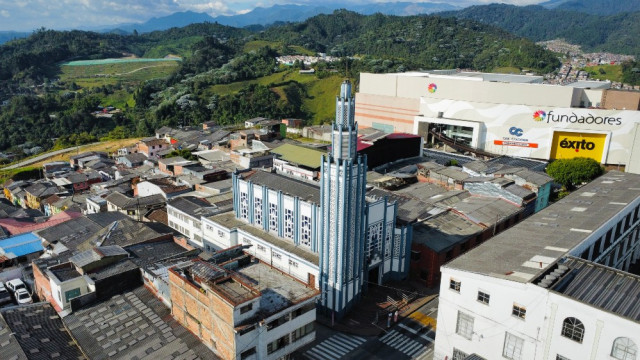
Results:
[567, 145]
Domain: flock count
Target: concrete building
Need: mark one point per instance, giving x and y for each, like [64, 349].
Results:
[242, 308]
[184, 213]
[505, 114]
[553, 286]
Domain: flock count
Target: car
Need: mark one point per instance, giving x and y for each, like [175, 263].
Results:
[15, 284]
[23, 297]
[5, 297]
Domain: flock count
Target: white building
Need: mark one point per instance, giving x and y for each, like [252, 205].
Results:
[554, 286]
[506, 114]
[183, 215]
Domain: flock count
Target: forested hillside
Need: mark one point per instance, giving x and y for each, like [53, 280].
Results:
[612, 33]
[418, 41]
[229, 74]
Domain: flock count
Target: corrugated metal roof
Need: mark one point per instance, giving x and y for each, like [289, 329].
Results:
[289, 186]
[299, 155]
[602, 287]
[20, 245]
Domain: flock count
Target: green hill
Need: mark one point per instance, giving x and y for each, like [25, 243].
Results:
[613, 33]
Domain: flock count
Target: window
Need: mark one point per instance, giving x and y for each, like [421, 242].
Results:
[68, 295]
[278, 344]
[415, 255]
[246, 308]
[244, 205]
[519, 311]
[220, 233]
[464, 326]
[624, 349]
[261, 248]
[288, 223]
[246, 354]
[293, 263]
[305, 231]
[512, 347]
[454, 285]
[276, 255]
[483, 297]
[573, 329]
[257, 211]
[302, 332]
[273, 217]
[458, 355]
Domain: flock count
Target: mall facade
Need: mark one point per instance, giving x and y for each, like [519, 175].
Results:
[513, 115]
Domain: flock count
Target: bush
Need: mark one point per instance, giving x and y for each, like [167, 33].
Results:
[572, 172]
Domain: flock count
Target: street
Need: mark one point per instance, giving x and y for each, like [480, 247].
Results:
[411, 338]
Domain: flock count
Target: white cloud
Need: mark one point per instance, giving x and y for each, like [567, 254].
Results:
[26, 15]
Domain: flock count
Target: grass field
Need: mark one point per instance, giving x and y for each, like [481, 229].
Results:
[97, 74]
[8, 174]
[507, 70]
[611, 72]
[321, 92]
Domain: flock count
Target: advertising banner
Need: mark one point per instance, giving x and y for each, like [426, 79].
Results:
[567, 145]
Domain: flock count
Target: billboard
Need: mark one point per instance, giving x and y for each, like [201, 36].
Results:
[567, 145]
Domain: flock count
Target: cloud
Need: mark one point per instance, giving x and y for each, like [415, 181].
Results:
[26, 15]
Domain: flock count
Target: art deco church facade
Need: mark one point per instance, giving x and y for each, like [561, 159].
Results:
[330, 236]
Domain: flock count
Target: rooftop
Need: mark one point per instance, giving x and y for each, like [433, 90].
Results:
[557, 229]
[133, 325]
[193, 206]
[127, 203]
[35, 332]
[443, 231]
[229, 221]
[602, 287]
[305, 191]
[299, 155]
[20, 245]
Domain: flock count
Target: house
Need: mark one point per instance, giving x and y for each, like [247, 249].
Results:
[293, 123]
[38, 192]
[184, 216]
[135, 207]
[164, 187]
[253, 122]
[171, 166]
[95, 204]
[297, 161]
[35, 331]
[20, 249]
[208, 125]
[78, 160]
[252, 158]
[268, 317]
[150, 147]
[24, 225]
[56, 167]
[132, 160]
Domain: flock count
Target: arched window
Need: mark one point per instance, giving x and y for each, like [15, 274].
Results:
[624, 349]
[573, 329]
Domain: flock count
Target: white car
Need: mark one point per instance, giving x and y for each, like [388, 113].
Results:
[15, 284]
[23, 297]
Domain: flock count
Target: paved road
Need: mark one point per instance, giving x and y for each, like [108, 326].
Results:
[44, 157]
[412, 338]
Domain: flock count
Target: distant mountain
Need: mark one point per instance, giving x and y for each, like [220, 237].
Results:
[11, 35]
[612, 33]
[282, 14]
[595, 7]
[179, 19]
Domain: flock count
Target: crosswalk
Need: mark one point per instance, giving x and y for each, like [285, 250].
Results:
[335, 347]
[405, 344]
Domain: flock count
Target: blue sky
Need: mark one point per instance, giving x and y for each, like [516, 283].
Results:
[27, 15]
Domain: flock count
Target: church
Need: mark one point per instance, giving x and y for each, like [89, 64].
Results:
[330, 235]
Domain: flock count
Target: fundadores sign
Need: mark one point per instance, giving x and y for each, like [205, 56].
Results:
[573, 118]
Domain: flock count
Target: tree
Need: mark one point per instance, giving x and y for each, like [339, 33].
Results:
[572, 172]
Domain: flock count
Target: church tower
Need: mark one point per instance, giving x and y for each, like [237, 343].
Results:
[343, 212]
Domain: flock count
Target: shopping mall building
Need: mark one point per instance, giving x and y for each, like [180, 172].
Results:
[512, 115]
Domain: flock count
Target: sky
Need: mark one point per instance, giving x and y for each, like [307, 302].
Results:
[28, 15]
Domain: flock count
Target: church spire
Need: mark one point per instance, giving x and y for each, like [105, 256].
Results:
[345, 130]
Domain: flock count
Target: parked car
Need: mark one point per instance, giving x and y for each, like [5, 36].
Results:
[14, 285]
[23, 297]
[5, 297]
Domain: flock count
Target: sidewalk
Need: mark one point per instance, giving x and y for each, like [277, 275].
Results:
[360, 320]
